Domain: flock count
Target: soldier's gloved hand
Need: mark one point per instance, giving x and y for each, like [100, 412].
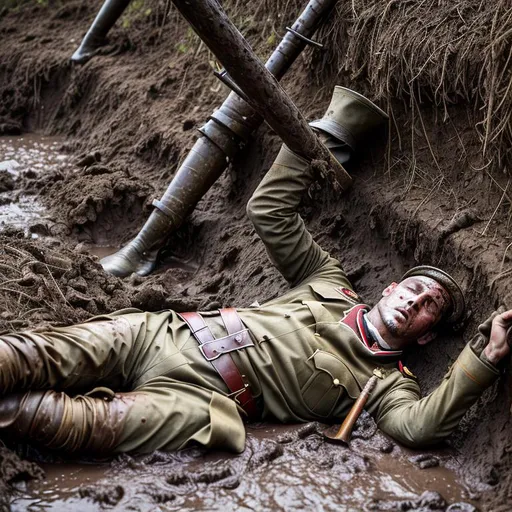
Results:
[500, 338]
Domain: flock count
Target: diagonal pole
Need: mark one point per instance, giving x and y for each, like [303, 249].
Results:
[261, 88]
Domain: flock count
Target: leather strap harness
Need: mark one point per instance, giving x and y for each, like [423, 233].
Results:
[217, 352]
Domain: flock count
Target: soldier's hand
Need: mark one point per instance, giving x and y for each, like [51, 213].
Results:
[500, 339]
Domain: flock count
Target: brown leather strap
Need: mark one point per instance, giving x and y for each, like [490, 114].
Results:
[214, 349]
[231, 320]
[198, 327]
[217, 352]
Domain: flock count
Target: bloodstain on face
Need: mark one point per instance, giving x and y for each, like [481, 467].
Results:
[410, 309]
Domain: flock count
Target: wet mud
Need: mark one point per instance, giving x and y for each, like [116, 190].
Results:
[123, 123]
[282, 468]
[24, 159]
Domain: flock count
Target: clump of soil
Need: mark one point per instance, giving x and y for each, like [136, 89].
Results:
[6, 181]
[12, 471]
[44, 282]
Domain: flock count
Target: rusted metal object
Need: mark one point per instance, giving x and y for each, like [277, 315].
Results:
[226, 131]
[345, 431]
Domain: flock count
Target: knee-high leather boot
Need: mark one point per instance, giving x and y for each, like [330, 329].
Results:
[109, 13]
[228, 128]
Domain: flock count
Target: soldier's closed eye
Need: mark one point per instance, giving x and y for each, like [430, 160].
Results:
[414, 288]
[431, 305]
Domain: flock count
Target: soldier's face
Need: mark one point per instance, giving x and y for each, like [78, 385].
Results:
[410, 309]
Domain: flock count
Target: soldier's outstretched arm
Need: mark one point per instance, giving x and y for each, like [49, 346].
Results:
[273, 211]
[419, 422]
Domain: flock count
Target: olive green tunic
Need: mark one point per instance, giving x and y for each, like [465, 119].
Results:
[309, 365]
[309, 360]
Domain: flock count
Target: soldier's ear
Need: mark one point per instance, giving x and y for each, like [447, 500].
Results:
[389, 289]
[427, 338]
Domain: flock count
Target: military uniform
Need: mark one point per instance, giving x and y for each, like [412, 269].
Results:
[150, 387]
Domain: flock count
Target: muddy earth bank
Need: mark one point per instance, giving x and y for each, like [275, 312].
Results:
[434, 190]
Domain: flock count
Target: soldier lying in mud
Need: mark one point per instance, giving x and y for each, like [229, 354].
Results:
[136, 381]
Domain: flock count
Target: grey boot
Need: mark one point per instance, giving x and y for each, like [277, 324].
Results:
[141, 253]
[348, 120]
[109, 13]
[195, 176]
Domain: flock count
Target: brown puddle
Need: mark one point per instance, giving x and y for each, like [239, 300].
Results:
[282, 468]
[25, 157]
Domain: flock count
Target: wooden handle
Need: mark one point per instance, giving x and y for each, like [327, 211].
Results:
[345, 430]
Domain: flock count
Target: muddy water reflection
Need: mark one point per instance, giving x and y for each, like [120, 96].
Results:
[25, 158]
[282, 468]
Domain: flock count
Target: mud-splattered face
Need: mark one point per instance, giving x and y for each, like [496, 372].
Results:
[410, 309]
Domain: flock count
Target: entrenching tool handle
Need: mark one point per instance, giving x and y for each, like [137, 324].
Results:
[345, 430]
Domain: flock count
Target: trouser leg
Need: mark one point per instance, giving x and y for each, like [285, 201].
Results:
[163, 414]
[107, 351]
[109, 13]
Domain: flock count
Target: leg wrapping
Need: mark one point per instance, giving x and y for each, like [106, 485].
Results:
[60, 422]
[20, 364]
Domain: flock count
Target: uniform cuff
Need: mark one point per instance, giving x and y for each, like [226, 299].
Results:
[479, 371]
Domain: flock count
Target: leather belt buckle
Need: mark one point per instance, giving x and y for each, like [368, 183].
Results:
[213, 349]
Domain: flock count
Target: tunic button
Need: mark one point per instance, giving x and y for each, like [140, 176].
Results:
[238, 338]
[317, 334]
[336, 382]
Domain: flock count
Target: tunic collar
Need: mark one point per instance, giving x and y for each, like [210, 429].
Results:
[355, 319]
[374, 334]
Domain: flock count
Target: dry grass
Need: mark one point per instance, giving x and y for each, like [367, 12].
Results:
[432, 51]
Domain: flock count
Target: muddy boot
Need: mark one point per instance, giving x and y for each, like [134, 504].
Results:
[348, 121]
[184, 192]
[140, 255]
[109, 13]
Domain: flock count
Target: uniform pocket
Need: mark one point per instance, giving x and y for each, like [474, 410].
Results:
[330, 381]
[327, 290]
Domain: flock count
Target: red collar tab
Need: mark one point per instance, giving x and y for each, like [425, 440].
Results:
[405, 371]
[349, 294]
[354, 320]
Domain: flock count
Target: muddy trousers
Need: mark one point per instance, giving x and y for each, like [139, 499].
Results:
[126, 382]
